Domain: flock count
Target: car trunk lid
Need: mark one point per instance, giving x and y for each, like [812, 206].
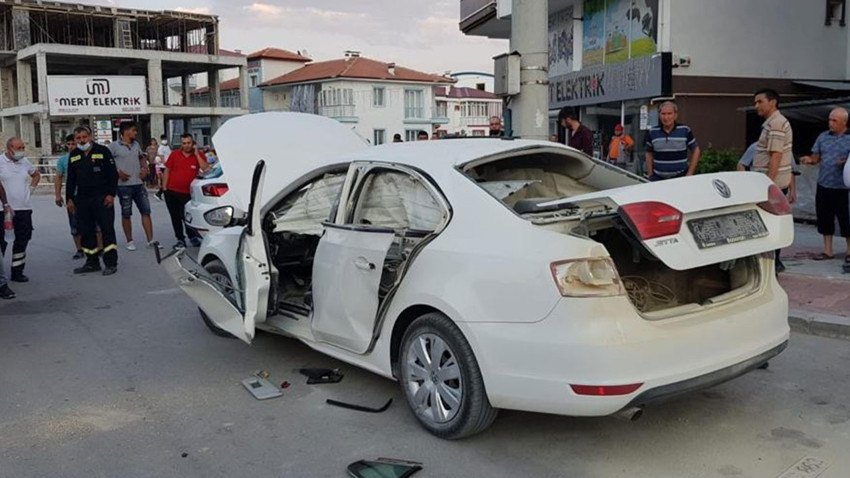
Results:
[697, 220]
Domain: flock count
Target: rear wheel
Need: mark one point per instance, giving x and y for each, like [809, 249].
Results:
[441, 380]
[218, 273]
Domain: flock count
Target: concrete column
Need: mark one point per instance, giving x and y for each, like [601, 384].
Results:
[184, 88]
[26, 129]
[41, 74]
[8, 91]
[530, 38]
[215, 91]
[24, 83]
[243, 86]
[10, 126]
[157, 126]
[46, 135]
[155, 82]
[215, 124]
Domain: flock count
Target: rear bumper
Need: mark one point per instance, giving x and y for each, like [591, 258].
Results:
[667, 392]
[604, 342]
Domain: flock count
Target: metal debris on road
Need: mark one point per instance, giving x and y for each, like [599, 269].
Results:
[321, 375]
[261, 388]
[359, 408]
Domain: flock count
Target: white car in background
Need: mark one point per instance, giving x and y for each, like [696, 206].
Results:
[207, 208]
[487, 273]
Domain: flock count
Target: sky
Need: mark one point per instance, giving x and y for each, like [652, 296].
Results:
[415, 34]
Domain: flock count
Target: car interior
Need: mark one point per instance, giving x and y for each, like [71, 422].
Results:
[382, 198]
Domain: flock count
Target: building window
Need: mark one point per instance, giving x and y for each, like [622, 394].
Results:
[410, 134]
[378, 136]
[414, 104]
[337, 102]
[477, 132]
[253, 80]
[442, 110]
[379, 97]
[481, 86]
[836, 10]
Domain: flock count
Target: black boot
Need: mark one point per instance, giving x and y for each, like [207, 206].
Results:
[88, 267]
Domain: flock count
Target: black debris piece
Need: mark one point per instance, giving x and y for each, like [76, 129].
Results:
[359, 408]
[321, 375]
[383, 468]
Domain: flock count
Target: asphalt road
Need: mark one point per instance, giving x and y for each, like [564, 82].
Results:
[118, 376]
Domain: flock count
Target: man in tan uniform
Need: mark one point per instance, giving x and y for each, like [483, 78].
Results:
[773, 151]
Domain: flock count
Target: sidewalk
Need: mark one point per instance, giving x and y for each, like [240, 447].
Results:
[818, 291]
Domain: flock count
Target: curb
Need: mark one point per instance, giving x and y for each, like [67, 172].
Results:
[822, 325]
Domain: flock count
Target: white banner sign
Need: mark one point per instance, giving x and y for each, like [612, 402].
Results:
[96, 95]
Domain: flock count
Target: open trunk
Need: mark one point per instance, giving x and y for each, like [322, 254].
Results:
[679, 246]
[657, 291]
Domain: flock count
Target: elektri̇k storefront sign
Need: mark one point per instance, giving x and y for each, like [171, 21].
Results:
[644, 77]
[96, 95]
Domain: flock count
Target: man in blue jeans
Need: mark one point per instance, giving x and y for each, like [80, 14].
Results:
[132, 169]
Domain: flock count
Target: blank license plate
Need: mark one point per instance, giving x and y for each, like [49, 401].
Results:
[727, 229]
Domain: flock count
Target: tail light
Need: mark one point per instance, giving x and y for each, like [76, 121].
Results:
[605, 390]
[216, 190]
[591, 277]
[776, 204]
[653, 219]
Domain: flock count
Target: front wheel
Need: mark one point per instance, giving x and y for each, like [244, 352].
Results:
[218, 273]
[441, 380]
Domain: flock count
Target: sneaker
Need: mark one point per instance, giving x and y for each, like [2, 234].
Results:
[158, 195]
[131, 246]
[109, 270]
[179, 245]
[20, 278]
[79, 255]
[153, 244]
[87, 268]
[6, 293]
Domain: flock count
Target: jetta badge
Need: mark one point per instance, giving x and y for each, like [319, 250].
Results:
[722, 188]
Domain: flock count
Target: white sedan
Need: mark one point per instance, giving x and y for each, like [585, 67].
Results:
[487, 273]
[207, 208]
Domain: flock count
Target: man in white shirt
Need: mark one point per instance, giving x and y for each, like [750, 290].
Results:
[19, 178]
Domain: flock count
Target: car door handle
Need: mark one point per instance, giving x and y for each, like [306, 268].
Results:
[363, 263]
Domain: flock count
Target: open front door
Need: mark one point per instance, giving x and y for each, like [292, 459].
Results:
[254, 267]
[253, 281]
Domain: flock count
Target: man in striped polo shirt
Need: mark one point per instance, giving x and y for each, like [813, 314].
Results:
[773, 153]
[671, 149]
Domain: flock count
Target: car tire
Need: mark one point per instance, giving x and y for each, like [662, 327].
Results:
[448, 399]
[218, 272]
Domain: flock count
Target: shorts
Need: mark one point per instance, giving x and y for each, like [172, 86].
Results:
[128, 195]
[831, 204]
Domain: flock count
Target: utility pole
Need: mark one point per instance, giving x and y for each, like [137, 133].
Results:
[530, 38]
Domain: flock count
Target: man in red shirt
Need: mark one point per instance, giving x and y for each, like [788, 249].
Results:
[181, 168]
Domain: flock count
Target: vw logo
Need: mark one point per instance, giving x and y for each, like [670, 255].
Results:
[722, 188]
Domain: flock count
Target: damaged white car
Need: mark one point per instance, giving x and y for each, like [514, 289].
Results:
[487, 273]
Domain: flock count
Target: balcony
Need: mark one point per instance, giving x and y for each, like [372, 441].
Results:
[468, 121]
[478, 17]
[341, 113]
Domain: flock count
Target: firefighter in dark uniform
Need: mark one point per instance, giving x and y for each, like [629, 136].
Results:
[92, 184]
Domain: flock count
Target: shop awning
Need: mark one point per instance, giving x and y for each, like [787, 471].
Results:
[826, 85]
[814, 111]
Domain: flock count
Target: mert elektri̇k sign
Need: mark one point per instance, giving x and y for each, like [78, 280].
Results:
[96, 95]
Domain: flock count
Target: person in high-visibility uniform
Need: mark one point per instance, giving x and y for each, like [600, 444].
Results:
[90, 193]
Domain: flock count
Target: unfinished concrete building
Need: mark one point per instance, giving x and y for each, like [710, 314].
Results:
[63, 64]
